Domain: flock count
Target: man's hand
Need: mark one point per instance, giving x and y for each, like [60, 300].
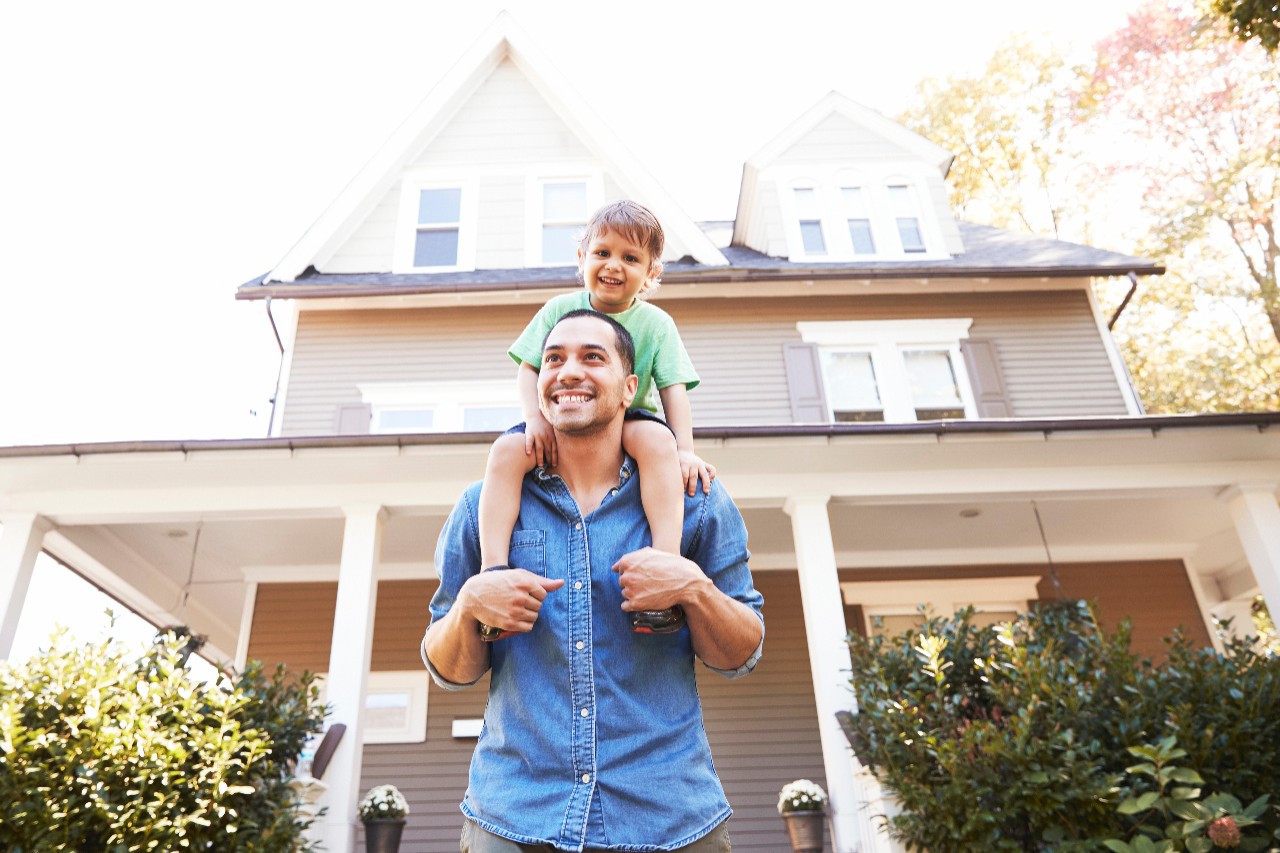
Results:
[509, 600]
[693, 469]
[540, 440]
[655, 580]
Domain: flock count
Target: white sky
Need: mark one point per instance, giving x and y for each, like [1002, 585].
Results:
[155, 155]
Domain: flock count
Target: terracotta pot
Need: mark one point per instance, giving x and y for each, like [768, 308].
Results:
[383, 835]
[806, 830]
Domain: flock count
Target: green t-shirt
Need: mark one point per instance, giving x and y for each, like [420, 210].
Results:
[661, 359]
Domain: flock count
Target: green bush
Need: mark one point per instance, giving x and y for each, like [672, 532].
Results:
[103, 750]
[1016, 737]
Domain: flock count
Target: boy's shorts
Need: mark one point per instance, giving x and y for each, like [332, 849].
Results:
[631, 415]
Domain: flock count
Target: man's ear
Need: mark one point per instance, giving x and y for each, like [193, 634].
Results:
[629, 389]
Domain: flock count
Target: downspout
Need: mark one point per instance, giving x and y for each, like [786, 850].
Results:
[1133, 288]
[271, 422]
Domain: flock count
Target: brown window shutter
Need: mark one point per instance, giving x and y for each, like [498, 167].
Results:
[355, 419]
[986, 378]
[804, 382]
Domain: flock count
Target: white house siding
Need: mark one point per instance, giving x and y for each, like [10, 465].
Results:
[506, 121]
[837, 139]
[500, 233]
[371, 246]
[768, 235]
[1048, 347]
[943, 215]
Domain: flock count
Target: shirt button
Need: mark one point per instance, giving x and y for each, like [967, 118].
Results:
[586, 777]
[577, 584]
[586, 713]
[581, 645]
[578, 526]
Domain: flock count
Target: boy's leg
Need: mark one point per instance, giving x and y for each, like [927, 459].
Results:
[500, 497]
[653, 446]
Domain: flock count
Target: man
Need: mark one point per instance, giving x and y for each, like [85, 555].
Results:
[593, 736]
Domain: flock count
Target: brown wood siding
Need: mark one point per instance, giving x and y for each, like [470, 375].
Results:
[1155, 595]
[1047, 344]
[763, 728]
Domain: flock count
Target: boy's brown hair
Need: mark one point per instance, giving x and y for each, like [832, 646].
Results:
[633, 221]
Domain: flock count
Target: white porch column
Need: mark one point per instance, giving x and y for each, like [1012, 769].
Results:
[349, 659]
[1257, 519]
[20, 543]
[830, 664]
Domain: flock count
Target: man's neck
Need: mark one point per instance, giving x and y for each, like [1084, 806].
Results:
[589, 465]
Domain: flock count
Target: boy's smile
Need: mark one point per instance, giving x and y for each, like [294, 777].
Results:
[614, 270]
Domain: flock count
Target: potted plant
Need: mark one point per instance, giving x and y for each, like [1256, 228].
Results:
[803, 805]
[382, 812]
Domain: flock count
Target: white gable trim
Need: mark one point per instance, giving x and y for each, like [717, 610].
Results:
[502, 40]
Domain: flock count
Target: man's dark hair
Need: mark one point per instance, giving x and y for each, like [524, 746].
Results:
[626, 344]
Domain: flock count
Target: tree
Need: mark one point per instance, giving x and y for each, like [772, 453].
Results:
[1011, 131]
[1251, 19]
[1203, 112]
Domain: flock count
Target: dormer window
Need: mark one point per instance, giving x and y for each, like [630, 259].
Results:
[809, 213]
[857, 216]
[906, 215]
[436, 230]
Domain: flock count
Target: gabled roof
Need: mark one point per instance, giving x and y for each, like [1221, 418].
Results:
[502, 40]
[837, 104]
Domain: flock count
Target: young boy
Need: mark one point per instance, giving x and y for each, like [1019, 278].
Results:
[619, 259]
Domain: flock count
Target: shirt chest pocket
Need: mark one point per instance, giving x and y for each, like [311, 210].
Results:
[527, 552]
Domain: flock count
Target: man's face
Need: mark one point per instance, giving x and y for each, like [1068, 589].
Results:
[583, 384]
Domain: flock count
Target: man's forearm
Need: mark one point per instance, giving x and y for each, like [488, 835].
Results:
[454, 648]
[724, 631]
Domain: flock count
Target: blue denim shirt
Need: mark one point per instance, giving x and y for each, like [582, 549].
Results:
[593, 734]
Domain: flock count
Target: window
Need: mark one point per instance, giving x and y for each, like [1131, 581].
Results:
[902, 204]
[436, 228]
[858, 218]
[482, 406]
[564, 215]
[439, 220]
[891, 607]
[809, 212]
[395, 705]
[897, 371]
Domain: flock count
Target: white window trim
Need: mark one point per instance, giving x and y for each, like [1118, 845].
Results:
[447, 400]
[594, 180]
[874, 179]
[411, 684]
[407, 222]
[887, 340]
[942, 597]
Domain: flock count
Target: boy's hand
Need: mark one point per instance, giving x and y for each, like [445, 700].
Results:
[693, 469]
[540, 440]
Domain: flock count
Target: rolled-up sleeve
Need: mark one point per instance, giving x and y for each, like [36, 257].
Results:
[457, 558]
[719, 547]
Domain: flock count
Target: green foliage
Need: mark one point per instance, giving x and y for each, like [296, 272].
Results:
[104, 750]
[1016, 737]
[1253, 19]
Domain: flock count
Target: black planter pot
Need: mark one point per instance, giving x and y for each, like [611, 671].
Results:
[383, 835]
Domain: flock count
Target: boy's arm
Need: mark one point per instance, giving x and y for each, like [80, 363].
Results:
[539, 438]
[675, 405]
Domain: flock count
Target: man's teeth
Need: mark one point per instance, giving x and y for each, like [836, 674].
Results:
[573, 398]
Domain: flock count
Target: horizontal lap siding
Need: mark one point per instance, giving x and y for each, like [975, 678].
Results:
[371, 247]
[839, 139]
[763, 728]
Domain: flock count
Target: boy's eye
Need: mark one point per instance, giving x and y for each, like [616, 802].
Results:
[632, 259]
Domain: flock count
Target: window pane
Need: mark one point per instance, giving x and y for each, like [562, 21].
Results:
[842, 417]
[811, 237]
[439, 207]
[860, 234]
[851, 384]
[807, 203]
[436, 248]
[939, 414]
[564, 202]
[932, 380]
[909, 233]
[405, 420]
[490, 418]
[901, 201]
[560, 244]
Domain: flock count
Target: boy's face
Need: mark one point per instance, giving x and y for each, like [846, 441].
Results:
[614, 270]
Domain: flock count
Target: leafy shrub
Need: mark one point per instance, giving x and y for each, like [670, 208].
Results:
[1016, 737]
[103, 750]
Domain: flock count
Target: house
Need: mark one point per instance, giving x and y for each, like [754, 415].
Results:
[908, 409]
